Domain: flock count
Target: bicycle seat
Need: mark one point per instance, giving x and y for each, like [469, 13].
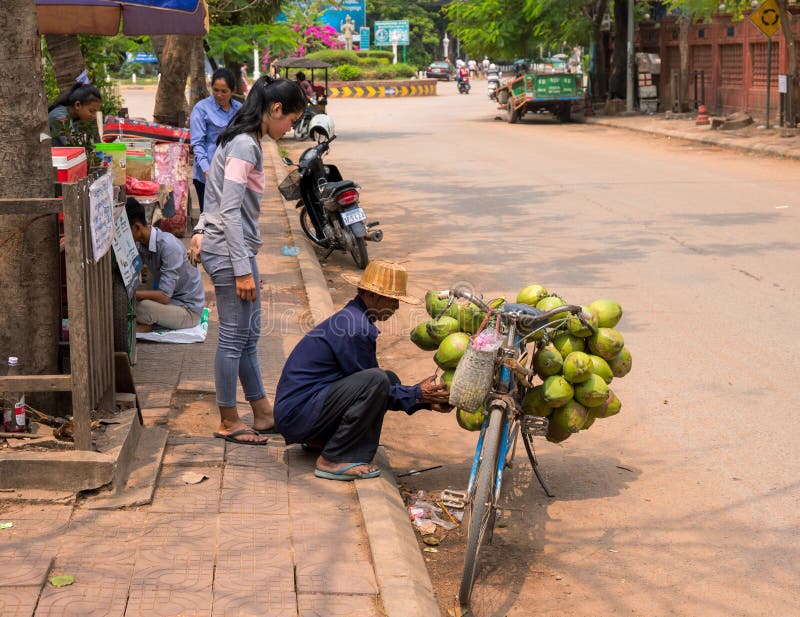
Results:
[329, 189]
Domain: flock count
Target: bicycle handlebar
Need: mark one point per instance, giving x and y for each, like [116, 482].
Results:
[530, 322]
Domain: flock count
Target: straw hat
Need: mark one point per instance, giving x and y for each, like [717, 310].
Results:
[384, 278]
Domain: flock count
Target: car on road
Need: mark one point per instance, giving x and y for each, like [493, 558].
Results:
[440, 70]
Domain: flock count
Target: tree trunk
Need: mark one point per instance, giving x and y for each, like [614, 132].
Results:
[67, 57]
[29, 266]
[684, 21]
[158, 41]
[198, 87]
[170, 107]
[791, 89]
[618, 80]
[600, 77]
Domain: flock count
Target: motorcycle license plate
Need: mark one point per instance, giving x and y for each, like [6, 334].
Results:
[353, 216]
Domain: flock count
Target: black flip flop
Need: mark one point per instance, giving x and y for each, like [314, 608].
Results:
[266, 431]
[242, 431]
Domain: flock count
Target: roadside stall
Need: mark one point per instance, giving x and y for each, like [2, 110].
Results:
[100, 264]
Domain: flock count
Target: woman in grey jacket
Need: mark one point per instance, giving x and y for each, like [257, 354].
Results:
[226, 240]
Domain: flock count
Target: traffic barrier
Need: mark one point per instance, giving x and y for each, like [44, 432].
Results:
[422, 87]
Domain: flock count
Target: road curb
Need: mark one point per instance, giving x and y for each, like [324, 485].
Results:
[719, 140]
[405, 587]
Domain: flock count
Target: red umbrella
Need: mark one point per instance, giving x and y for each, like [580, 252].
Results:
[138, 17]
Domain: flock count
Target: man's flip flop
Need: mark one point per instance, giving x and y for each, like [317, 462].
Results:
[340, 474]
[242, 431]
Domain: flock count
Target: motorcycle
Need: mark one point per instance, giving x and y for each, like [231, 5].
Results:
[463, 85]
[304, 126]
[329, 210]
[492, 84]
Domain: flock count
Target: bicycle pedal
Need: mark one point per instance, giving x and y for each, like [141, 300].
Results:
[453, 499]
[535, 426]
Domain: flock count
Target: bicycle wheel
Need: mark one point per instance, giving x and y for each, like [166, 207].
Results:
[481, 506]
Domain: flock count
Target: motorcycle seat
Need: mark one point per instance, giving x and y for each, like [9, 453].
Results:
[331, 188]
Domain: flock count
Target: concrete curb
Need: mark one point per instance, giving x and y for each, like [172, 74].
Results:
[717, 139]
[405, 587]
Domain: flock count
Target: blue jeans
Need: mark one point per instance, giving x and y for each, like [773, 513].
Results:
[239, 329]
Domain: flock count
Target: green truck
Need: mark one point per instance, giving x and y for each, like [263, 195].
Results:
[560, 94]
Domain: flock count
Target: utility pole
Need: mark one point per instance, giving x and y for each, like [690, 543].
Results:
[629, 98]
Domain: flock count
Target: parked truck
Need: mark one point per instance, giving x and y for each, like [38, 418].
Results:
[560, 94]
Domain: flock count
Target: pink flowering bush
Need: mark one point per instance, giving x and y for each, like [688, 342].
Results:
[315, 38]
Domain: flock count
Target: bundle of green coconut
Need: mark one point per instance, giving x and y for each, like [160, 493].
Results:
[575, 364]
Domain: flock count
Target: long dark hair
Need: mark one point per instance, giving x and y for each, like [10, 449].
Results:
[266, 91]
[85, 93]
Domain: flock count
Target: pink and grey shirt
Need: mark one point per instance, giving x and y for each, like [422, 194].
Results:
[233, 201]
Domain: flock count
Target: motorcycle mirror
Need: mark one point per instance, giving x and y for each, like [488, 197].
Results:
[287, 161]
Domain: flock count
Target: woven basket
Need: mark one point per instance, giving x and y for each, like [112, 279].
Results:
[472, 379]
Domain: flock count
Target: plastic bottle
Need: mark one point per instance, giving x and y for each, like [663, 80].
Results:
[14, 412]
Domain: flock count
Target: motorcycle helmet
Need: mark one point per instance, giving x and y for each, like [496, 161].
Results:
[492, 67]
[321, 127]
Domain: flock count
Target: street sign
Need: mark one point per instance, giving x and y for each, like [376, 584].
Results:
[767, 18]
[384, 32]
[364, 43]
[141, 57]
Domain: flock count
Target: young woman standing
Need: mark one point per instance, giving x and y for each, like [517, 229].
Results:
[226, 240]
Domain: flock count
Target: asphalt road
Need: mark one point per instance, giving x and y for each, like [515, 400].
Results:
[686, 503]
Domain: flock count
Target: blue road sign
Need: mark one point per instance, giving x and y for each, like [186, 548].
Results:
[364, 44]
[386, 31]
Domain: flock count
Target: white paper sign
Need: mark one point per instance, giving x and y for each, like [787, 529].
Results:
[101, 215]
[128, 259]
[782, 84]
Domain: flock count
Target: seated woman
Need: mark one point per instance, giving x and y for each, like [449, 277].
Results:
[308, 90]
[74, 112]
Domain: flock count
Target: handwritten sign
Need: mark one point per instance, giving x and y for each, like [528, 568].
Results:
[101, 215]
[128, 259]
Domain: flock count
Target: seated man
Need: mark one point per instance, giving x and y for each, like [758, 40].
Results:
[332, 393]
[177, 300]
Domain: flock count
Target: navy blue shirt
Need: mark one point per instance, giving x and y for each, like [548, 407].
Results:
[341, 345]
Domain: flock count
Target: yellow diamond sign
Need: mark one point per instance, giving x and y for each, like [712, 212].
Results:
[767, 18]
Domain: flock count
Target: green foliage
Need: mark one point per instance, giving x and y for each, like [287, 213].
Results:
[235, 43]
[334, 56]
[346, 72]
[391, 71]
[703, 9]
[374, 53]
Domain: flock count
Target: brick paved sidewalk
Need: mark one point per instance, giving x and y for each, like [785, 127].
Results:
[260, 536]
[775, 141]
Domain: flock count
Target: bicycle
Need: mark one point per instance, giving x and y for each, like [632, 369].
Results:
[504, 420]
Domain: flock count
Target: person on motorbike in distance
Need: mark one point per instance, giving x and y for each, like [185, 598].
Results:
[463, 73]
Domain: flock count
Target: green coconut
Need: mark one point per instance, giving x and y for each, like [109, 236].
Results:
[576, 328]
[531, 295]
[549, 303]
[608, 313]
[566, 343]
[450, 350]
[446, 378]
[621, 363]
[577, 367]
[470, 421]
[610, 408]
[421, 338]
[556, 434]
[606, 343]
[593, 392]
[547, 361]
[571, 417]
[433, 304]
[589, 421]
[438, 329]
[534, 404]
[601, 367]
[556, 391]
